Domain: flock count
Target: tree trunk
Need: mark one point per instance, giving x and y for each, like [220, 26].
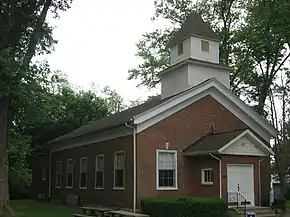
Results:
[262, 98]
[4, 186]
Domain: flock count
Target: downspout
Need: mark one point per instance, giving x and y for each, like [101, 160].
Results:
[49, 181]
[260, 188]
[220, 171]
[134, 166]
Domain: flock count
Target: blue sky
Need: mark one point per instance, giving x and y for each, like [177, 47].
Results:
[96, 43]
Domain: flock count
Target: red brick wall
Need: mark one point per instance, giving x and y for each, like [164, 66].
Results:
[265, 175]
[193, 177]
[240, 160]
[265, 181]
[107, 196]
[180, 130]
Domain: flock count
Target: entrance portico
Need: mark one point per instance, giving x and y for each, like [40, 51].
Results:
[239, 155]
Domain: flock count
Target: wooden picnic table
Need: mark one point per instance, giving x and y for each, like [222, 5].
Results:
[95, 211]
[80, 215]
[123, 213]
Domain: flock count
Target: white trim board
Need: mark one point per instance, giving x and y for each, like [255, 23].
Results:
[220, 93]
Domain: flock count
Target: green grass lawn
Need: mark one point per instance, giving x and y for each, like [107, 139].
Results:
[288, 204]
[31, 208]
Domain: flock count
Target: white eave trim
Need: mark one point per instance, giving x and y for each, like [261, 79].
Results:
[150, 113]
[247, 109]
[252, 135]
[219, 92]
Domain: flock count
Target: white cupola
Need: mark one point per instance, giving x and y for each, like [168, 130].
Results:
[194, 58]
[195, 39]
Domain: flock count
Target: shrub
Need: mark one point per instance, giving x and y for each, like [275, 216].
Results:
[184, 207]
[279, 203]
[19, 185]
[287, 193]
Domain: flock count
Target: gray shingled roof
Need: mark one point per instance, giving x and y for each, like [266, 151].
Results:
[117, 119]
[194, 26]
[212, 142]
[110, 121]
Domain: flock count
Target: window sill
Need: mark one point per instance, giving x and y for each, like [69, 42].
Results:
[207, 183]
[57, 186]
[118, 188]
[84, 188]
[99, 188]
[67, 187]
[166, 189]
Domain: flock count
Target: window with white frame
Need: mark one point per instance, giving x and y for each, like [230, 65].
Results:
[204, 45]
[43, 173]
[180, 48]
[166, 169]
[207, 176]
[69, 173]
[83, 179]
[119, 170]
[58, 174]
[99, 172]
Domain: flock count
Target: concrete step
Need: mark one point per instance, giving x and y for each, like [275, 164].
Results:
[258, 208]
[260, 211]
[263, 214]
[268, 215]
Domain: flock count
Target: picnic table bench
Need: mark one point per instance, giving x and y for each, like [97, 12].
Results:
[122, 213]
[88, 211]
[80, 215]
[94, 211]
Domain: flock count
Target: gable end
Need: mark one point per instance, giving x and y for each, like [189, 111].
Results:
[216, 90]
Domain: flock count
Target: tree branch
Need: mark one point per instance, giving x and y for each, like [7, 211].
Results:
[36, 34]
[282, 63]
[261, 67]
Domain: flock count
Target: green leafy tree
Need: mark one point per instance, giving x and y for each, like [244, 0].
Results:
[255, 58]
[49, 109]
[255, 36]
[223, 15]
[152, 48]
[114, 101]
[19, 151]
[280, 97]
[56, 108]
[268, 51]
[24, 33]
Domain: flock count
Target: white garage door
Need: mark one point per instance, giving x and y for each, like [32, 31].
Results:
[241, 179]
